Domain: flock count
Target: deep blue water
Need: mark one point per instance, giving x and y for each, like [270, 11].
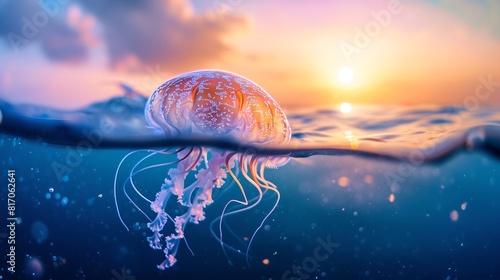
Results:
[383, 217]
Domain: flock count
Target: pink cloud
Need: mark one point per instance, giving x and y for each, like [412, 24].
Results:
[164, 32]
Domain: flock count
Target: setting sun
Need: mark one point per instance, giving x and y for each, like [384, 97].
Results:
[345, 108]
[345, 75]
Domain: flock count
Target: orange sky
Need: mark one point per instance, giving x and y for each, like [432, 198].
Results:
[426, 52]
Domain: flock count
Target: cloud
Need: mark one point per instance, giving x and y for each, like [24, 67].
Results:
[64, 44]
[166, 33]
[23, 23]
[484, 15]
[163, 32]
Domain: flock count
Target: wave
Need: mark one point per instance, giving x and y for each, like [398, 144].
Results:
[415, 134]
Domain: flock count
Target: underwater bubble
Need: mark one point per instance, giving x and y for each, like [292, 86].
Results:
[35, 268]
[64, 201]
[39, 232]
[298, 248]
[90, 201]
[123, 250]
[343, 182]
[463, 206]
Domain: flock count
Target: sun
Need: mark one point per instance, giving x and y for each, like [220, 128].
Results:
[345, 108]
[345, 75]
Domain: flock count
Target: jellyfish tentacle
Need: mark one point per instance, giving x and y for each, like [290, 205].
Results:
[177, 175]
[184, 199]
[229, 212]
[133, 173]
[173, 186]
[244, 162]
[207, 179]
[259, 190]
[115, 183]
[272, 187]
[195, 162]
[244, 202]
[205, 157]
[227, 227]
[211, 104]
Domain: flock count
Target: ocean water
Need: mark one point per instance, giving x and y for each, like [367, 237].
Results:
[379, 193]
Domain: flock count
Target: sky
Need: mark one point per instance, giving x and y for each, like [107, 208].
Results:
[68, 53]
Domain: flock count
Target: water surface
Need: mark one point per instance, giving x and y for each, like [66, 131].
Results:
[402, 192]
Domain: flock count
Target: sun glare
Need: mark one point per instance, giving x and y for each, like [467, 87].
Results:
[345, 108]
[345, 75]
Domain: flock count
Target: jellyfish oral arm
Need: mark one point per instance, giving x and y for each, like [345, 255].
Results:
[195, 197]
[161, 218]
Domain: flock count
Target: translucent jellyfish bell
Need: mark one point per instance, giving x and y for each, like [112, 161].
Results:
[216, 105]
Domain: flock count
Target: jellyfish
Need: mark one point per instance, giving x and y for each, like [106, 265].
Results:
[210, 104]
